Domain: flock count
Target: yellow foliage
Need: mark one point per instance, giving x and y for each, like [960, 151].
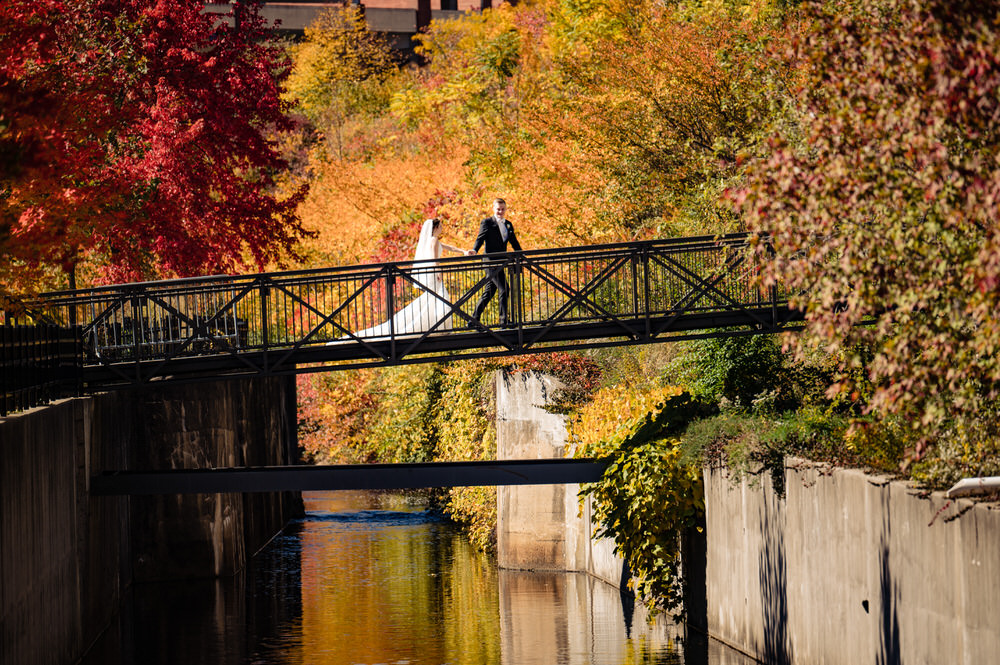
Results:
[598, 427]
[339, 69]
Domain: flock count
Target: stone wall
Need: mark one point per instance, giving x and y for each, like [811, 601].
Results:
[66, 558]
[217, 425]
[849, 568]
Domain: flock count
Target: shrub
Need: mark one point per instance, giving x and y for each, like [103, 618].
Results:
[739, 370]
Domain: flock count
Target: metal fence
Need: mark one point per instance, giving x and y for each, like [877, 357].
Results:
[38, 363]
[634, 291]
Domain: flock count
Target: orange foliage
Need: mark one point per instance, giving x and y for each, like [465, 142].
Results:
[333, 411]
[650, 123]
[354, 203]
[549, 190]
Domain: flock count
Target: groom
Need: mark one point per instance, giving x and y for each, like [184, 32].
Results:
[495, 232]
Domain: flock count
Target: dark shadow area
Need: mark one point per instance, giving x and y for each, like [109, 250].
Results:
[208, 621]
[774, 587]
[694, 557]
[627, 597]
[889, 653]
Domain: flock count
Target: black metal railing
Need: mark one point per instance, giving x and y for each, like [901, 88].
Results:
[412, 312]
[38, 363]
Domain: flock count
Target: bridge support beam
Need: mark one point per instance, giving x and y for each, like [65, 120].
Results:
[348, 477]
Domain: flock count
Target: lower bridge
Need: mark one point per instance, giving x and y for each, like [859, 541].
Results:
[348, 477]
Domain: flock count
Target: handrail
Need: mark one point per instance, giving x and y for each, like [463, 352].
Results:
[37, 364]
[676, 244]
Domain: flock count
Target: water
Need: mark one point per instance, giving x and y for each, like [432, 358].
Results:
[378, 578]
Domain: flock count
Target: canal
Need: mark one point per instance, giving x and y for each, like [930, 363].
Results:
[380, 578]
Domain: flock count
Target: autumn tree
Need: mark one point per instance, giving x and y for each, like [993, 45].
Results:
[482, 73]
[605, 120]
[886, 213]
[664, 104]
[371, 178]
[473, 83]
[137, 138]
[44, 129]
[341, 73]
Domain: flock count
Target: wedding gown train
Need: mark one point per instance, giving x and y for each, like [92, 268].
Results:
[420, 315]
[428, 308]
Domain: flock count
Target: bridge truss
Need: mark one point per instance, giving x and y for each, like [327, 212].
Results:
[342, 318]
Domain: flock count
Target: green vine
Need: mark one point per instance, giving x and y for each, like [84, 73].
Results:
[649, 496]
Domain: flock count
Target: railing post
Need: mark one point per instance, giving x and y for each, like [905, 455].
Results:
[135, 336]
[644, 256]
[72, 360]
[773, 289]
[390, 296]
[517, 304]
[265, 333]
[634, 268]
[7, 364]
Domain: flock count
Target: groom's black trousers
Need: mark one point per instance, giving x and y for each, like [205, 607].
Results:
[498, 282]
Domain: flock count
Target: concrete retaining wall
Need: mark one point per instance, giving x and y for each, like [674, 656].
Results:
[66, 557]
[543, 527]
[848, 568]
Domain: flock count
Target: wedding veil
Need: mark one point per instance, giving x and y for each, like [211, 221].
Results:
[426, 253]
[425, 244]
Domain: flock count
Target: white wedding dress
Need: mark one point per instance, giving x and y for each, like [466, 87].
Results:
[432, 306]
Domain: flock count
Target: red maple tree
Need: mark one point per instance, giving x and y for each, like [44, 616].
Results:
[134, 139]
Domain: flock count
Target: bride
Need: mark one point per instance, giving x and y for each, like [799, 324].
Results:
[433, 304]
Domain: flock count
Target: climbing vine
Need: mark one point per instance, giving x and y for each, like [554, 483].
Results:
[466, 427]
[649, 496]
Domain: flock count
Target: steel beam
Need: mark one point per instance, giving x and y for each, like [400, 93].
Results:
[348, 477]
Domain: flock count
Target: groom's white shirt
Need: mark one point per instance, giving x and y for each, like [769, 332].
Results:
[502, 224]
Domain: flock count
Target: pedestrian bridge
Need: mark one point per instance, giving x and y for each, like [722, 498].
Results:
[342, 318]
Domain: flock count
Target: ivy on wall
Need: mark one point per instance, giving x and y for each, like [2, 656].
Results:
[649, 496]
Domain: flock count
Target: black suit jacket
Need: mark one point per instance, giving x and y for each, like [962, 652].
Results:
[489, 234]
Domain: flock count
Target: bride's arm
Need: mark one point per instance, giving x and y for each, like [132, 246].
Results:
[452, 249]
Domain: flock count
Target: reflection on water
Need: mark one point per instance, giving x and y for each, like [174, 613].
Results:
[576, 618]
[386, 581]
[377, 578]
